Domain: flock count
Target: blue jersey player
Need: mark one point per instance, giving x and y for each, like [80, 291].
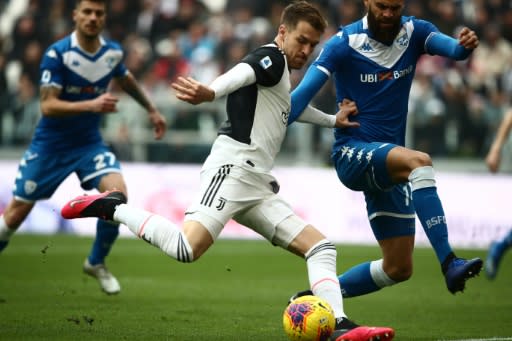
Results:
[75, 75]
[373, 61]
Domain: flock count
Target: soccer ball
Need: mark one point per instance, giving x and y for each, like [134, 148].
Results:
[308, 318]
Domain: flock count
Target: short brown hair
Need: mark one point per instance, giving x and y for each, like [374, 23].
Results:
[303, 11]
[78, 2]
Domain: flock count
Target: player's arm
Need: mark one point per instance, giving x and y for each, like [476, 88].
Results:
[132, 88]
[130, 85]
[317, 117]
[458, 49]
[493, 158]
[312, 82]
[340, 120]
[53, 106]
[194, 92]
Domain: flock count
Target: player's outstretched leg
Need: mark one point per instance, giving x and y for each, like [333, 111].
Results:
[458, 270]
[152, 228]
[100, 205]
[347, 330]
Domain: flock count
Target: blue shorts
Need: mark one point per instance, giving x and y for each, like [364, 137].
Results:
[39, 174]
[361, 166]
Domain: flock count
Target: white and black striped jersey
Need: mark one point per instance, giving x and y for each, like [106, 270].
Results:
[257, 115]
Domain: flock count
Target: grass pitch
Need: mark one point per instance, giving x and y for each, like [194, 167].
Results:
[237, 291]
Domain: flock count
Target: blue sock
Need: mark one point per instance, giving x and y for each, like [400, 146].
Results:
[508, 239]
[431, 214]
[357, 281]
[106, 234]
[3, 244]
[505, 243]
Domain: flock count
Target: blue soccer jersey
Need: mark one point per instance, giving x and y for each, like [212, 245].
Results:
[376, 76]
[81, 76]
[66, 144]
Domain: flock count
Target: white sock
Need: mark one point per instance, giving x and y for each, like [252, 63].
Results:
[321, 263]
[5, 232]
[422, 177]
[380, 277]
[156, 230]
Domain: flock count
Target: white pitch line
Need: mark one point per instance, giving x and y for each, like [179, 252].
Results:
[490, 339]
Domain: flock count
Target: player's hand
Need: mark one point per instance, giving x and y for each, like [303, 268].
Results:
[346, 109]
[493, 160]
[105, 103]
[192, 91]
[468, 38]
[159, 123]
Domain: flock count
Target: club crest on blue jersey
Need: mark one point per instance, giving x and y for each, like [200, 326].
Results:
[111, 62]
[266, 62]
[403, 40]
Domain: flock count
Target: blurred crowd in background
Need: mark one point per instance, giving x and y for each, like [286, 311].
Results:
[455, 107]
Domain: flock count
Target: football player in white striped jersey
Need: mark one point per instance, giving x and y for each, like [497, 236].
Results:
[236, 180]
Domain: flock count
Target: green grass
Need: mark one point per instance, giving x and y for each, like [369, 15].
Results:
[237, 291]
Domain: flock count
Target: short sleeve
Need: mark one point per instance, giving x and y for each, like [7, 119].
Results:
[51, 68]
[268, 64]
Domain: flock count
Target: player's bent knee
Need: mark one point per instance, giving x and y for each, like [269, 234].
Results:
[399, 273]
[421, 159]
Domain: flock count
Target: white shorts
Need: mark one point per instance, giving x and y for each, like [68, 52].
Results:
[231, 192]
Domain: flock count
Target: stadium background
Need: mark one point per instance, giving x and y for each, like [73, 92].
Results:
[455, 108]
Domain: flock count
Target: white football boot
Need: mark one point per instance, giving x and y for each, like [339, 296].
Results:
[108, 282]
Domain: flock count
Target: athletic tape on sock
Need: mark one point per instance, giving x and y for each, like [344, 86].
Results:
[422, 177]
